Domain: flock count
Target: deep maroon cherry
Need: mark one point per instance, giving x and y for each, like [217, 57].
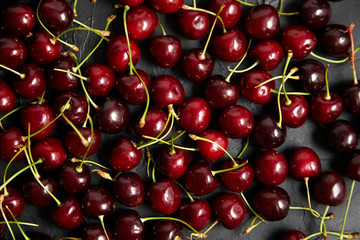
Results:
[155, 122]
[293, 235]
[164, 196]
[352, 166]
[334, 40]
[57, 15]
[39, 236]
[131, 3]
[36, 194]
[75, 146]
[141, 22]
[196, 213]
[18, 19]
[73, 178]
[165, 50]
[303, 163]
[129, 189]
[59, 80]
[14, 201]
[96, 232]
[211, 152]
[124, 155]
[315, 13]
[323, 110]
[199, 179]
[193, 24]
[166, 230]
[312, 75]
[12, 51]
[101, 79]
[51, 151]
[262, 22]
[166, 6]
[268, 53]
[271, 203]
[294, 114]
[342, 136]
[68, 215]
[229, 209]
[7, 97]
[237, 180]
[128, 226]
[230, 14]
[194, 67]
[351, 98]
[330, 189]
[98, 201]
[11, 141]
[174, 162]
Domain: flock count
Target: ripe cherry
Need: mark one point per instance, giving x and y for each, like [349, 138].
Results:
[342, 136]
[124, 155]
[334, 40]
[268, 53]
[57, 15]
[230, 14]
[304, 163]
[193, 24]
[237, 180]
[293, 235]
[14, 201]
[166, 6]
[11, 141]
[351, 98]
[325, 108]
[18, 19]
[128, 226]
[312, 75]
[101, 79]
[166, 230]
[51, 151]
[315, 13]
[68, 215]
[75, 146]
[294, 114]
[141, 22]
[129, 189]
[165, 50]
[36, 194]
[330, 189]
[174, 162]
[352, 167]
[98, 201]
[7, 97]
[12, 51]
[210, 151]
[73, 178]
[59, 80]
[196, 67]
[155, 122]
[199, 179]
[96, 232]
[196, 213]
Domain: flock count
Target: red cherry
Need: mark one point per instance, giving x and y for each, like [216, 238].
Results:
[352, 167]
[230, 14]
[351, 98]
[14, 201]
[173, 162]
[59, 80]
[75, 146]
[12, 51]
[330, 189]
[141, 22]
[343, 136]
[166, 6]
[96, 232]
[304, 162]
[196, 213]
[124, 155]
[129, 189]
[11, 141]
[18, 19]
[294, 114]
[51, 151]
[210, 152]
[312, 75]
[68, 215]
[98, 201]
[155, 122]
[128, 226]
[324, 110]
[101, 80]
[237, 180]
[335, 40]
[269, 53]
[165, 50]
[193, 24]
[194, 67]
[73, 178]
[36, 194]
[7, 97]
[166, 230]
[293, 235]
[57, 15]
[315, 13]
[199, 179]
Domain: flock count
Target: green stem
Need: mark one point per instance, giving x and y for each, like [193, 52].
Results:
[289, 14]
[247, 4]
[103, 226]
[21, 223]
[187, 192]
[167, 143]
[21, 75]
[274, 78]
[316, 214]
[281, 7]
[82, 138]
[249, 206]
[142, 119]
[228, 169]
[91, 140]
[257, 62]
[86, 26]
[330, 60]
[74, 9]
[227, 79]
[18, 225]
[289, 56]
[126, 8]
[102, 32]
[291, 93]
[42, 129]
[349, 236]
[29, 157]
[162, 28]
[327, 96]
[194, 3]
[347, 210]
[322, 223]
[90, 163]
[244, 148]
[5, 218]
[72, 73]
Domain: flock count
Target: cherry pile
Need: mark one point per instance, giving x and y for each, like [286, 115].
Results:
[149, 160]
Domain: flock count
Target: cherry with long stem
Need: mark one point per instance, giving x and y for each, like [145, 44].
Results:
[227, 79]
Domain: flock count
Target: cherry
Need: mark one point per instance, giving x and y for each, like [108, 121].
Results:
[334, 40]
[128, 226]
[166, 90]
[101, 80]
[210, 151]
[155, 122]
[294, 114]
[57, 15]
[304, 163]
[237, 180]
[7, 97]
[272, 203]
[11, 141]
[236, 121]
[312, 75]
[166, 6]
[166, 230]
[113, 116]
[98, 201]
[230, 14]
[193, 24]
[165, 50]
[36, 194]
[351, 98]
[51, 151]
[174, 162]
[96, 232]
[199, 179]
[262, 22]
[194, 115]
[268, 53]
[293, 235]
[141, 22]
[75, 146]
[315, 13]
[12, 51]
[195, 67]
[18, 19]
[59, 80]
[342, 136]
[300, 40]
[352, 167]
[68, 215]
[129, 189]
[330, 189]
[325, 109]
[196, 213]
[73, 178]
[229, 209]
[14, 201]
[124, 155]
[131, 3]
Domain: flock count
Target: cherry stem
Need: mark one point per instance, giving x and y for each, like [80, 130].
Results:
[211, 226]
[316, 214]
[247, 4]
[21, 223]
[89, 163]
[289, 14]
[291, 93]
[333, 61]
[4, 216]
[151, 159]
[327, 96]
[229, 169]
[252, 226]
[101, 218]
[70, 238]
[86, 26]
[194, 3]
[72, 73]
[42, 129]
[82, 138]
[289, 56]
[352, 56]
[257, 62]
[322, 223]
[101, 32]
[126, 8]
[162, 28]
[103, 174]
[18, 225]
[31, 160]
[227, 79]
[274, 78]
[251, 209]
[74, 8]
[347, 236]
[21, 75]
[281, 7]
[91, 138]
[182, 187]
[167, 143]
[347, 210]
[142, 119]
[244, 148]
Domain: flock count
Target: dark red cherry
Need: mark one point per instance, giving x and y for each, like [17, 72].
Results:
[12, 51]
[342, 136]
[199, 179]
[164, 196]
[141, 22]
[51, 151]
[155, 122]
[165, 50]
[57, 15]
[300, 40]
[312, 75]
[334, 40]
[68, 215]
[14, 201]
[101, 79]
[352, 166]
[230, 14]
[59, 80]
[39, 236]
[304, 162]
[237, 180]
[18, 19]
[36, 117]
[330, 189]
[271, 203]
[174, 162]
[219, 93]
[211, 152]
[196, 213]
[236, 121]
[117, 53]
[131, 3]
[33, 84]
[75, 146]
[229, 209]
[42, 49]
[194, 115]
[96, 232]
[248, 89]
[166, 90]
[98, 201]
[351, 98]
[267, 133]
[193, 24]
[315, 13]
[324, 110]
[36, 194]
[128, 226]
[230, 46]
[129, 189]
[293, 235]
[295, 113]
[166, 6]
[262, 22]
[11, 141]
[7, 97]
[113, 116]
[124, 155]
[166, 230]
[194, 67]
[73, 178]
[268, 53]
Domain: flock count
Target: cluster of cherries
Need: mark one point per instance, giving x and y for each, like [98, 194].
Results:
[55, 113]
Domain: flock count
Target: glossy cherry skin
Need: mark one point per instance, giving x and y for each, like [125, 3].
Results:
[196, 213]
[166, 90]
[14, 201]
[68, 215]
[230, 46]
[268, 53]
[57, 15]
[211, 152]
[155, 123]
[194, 67]
[272, 203]
[267, 134]
[237, 180]
[51, 151]
[128, 226]
[129, 189]
[334, 40]
[293, 235]
[96, 232]
[18, 19]
[236, 121]
[36, 195]
[113, 116]
[229, 209]
[352, 166]
[165, 50]
[248, 83]
[124, 155]
[262, 22]
[230, 14]
[342, 136]
[304, 163]
[33, 84]
[7, 97]
[312, 75]
[300, 40]
[193, 24]
[330, 189]
[36, 117]
[117, 53]
[141, 22]
[40, 48]
[73, 178]
[166, 6]
[294, 114]
[164, 196]
[199, 179]
[166, 230]
[98, 201]
[74, 145]
[101, 80]
[194, 115]
[325, 111]
[173, 162]
[131, 3]
[11, 141]
[59, 80]
[219, 93]
[315, 13]
[12, 51]
[351, 98]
